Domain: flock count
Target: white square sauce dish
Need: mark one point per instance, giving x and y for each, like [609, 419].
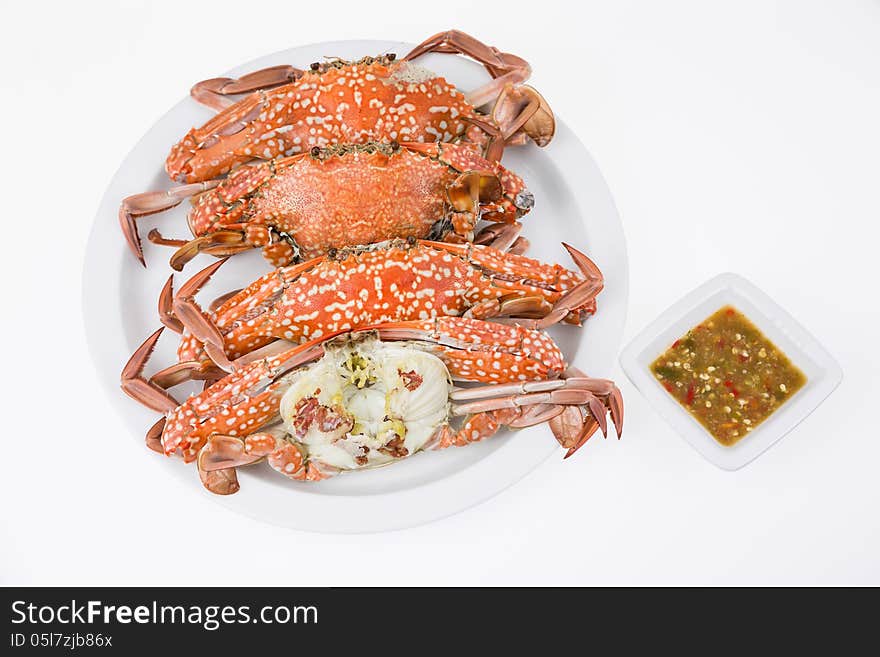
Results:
[822, 372]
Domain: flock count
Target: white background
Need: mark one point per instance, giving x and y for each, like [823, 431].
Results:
[739, 136]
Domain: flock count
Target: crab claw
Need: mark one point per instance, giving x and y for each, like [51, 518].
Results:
[200, 325]
[214, 93]
[587, 430]
[187, 371]
[567, 426]
[146, 203]
[220, 482]
[521, 110]
[145, 391]
[537, 414]
[472, 188]
[615, 403]
[166, 300]
[130, 232]
[499, 236]
[581, 295]
[217, 462]
[574, 405]
[153, 439]
[219, 243]
[222, 452]
[607, 394]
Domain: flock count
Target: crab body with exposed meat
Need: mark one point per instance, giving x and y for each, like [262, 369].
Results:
[371, 397]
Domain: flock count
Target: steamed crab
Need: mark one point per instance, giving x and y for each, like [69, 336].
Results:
[301, 206]
[290, 110]
[392, 281]
[371, 397]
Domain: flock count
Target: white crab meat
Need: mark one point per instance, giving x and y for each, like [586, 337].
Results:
[408, 72]
[367, 403]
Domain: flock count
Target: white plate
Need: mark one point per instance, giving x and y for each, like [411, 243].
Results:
[822, 371]
[572, 203]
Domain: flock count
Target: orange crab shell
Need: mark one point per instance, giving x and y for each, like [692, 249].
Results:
[375, 99]
[390, 283]
[352, 195]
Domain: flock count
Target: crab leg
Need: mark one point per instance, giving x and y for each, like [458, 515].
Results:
[567, 422]
[605, 389]
[249, 303]
[166, 301]
[218, 459]
[559, 391]
[466, 194]
[208, 372]
[223, 453]
[191, 316]
[494, 146]
[503, 237]
[510, 272]
[223, 298]
[529, 416]
[497, 63]
[214, 93]
[581, 295]
[572, 428]
[562, 396]
[187, 371]
[153, 438]
[486, 424]
[565, 397]
[221, 243]
[157, 238]
[145, 391]
[217, 142]
[519, 109]
[140, 205]
[522, 112]
[502, 390]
